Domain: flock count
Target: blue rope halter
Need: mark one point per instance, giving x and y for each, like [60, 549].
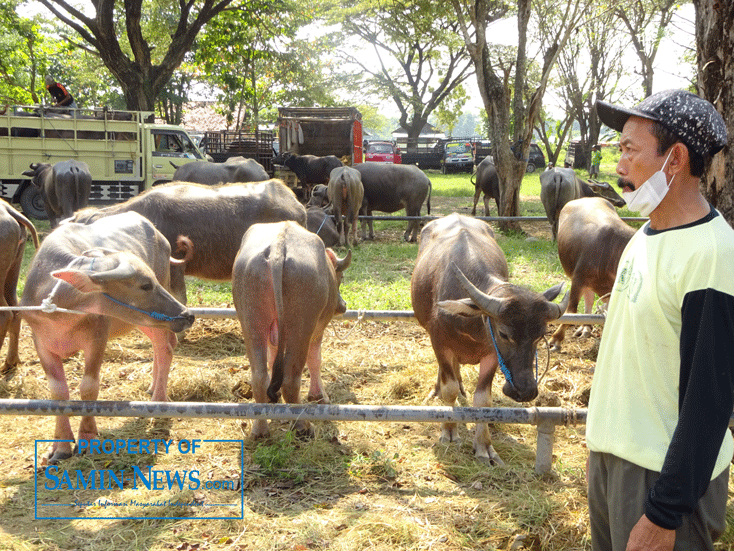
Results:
[155, 315]
[500, 359]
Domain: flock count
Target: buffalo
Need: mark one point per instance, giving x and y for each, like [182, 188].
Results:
[285, 286]
[116, 273]
[389, 188]
[310, 169]
[234, 169]
[558, 186]
[591, 238]
[461, 295]
[321, 223]
[345, 192]
[13, 226]
[214, 217]
[487, 182]
[65, 187]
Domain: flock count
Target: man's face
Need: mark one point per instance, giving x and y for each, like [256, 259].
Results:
[639, 159]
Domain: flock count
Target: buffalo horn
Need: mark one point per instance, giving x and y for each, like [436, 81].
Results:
[123, 270]
[343, 263]
[555, 311]
[489, 305]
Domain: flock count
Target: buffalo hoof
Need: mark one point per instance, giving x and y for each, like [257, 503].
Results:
[556, 347]
[304, 430]
[54, 458]
[8, 368]
[489, 456]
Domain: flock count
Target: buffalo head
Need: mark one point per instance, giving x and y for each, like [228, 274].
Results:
[516, 321]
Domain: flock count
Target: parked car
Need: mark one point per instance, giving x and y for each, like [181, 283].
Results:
[382, 152]
[457, 157]
[536, 159]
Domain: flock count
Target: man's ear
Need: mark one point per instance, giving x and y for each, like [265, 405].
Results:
[679, 158]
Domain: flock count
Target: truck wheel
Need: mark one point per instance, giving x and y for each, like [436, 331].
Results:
[530, 168]
[32, 203]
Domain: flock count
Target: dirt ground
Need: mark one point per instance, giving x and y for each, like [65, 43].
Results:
[354, 486]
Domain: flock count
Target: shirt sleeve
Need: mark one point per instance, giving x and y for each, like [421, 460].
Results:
[704, 406]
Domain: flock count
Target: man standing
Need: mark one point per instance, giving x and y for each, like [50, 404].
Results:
[663, 388]
[595, 161]
[60, 94]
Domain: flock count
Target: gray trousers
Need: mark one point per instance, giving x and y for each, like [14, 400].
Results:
[617, 493]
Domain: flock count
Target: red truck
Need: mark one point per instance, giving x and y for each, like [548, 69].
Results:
[382, 152]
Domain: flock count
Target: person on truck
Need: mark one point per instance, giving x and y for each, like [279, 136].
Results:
[59, 93]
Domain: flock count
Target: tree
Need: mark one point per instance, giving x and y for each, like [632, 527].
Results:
[591, 69]
[504, 105]
[256, 67]
[715, 42]
[116, 33]
[23, 51]
[645, 22]
[421, 60]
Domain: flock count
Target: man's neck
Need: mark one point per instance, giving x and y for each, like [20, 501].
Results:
[682, 205]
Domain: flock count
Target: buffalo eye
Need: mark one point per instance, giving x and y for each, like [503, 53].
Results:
[147, 287]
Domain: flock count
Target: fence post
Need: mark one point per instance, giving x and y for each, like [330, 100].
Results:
[544, 451]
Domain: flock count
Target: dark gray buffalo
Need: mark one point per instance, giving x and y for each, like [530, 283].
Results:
[558, 186]
[13, 226]
[487, 182]
[64, 186]
[214, 218]
[389, 188]
[321, 223]
[591, 238]
[461, 296]
[115, 271]
[285, 286]
[310, 169]
[345, 192]
[234, 169]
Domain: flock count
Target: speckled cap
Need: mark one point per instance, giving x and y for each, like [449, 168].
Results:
[693, 119]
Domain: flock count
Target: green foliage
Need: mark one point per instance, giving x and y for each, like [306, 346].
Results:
[379, 463]
[276, 459]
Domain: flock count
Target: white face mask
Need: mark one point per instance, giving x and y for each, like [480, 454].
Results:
[649, 195]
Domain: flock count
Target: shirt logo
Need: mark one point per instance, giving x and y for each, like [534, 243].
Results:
[630, 280]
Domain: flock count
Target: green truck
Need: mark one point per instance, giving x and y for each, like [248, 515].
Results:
[125, 152]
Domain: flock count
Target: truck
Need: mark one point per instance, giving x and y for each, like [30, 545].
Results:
[379, 151]
[126, 152]
[457, 156]
[258, 145]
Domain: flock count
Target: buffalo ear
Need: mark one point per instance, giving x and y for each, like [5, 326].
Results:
[464, 307]
[77, 279]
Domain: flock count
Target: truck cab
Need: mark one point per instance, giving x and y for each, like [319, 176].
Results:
[382, 152]
[457, 156]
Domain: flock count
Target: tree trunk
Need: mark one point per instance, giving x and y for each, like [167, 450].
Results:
[714, 42]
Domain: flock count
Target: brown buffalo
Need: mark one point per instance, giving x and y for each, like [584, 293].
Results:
[558, 186]
[13, 227]
[461, 296]
[591, 238]
[116, 273]
[214, 217]
[345, 193]
[321, 223]
[285, 286]
[65, 187]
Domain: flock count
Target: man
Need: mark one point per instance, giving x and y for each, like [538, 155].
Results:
[60, 94]
[663, 386]
[595, 161]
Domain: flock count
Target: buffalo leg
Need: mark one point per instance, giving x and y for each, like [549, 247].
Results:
[411, 234]
[294, 362]
[584, 331]
[53, 367]
[448, 388]
[477, 193]
[89, 388]
[163, 342]
[316, 390]
[483, 449]
[573, 305]
[486, 205]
